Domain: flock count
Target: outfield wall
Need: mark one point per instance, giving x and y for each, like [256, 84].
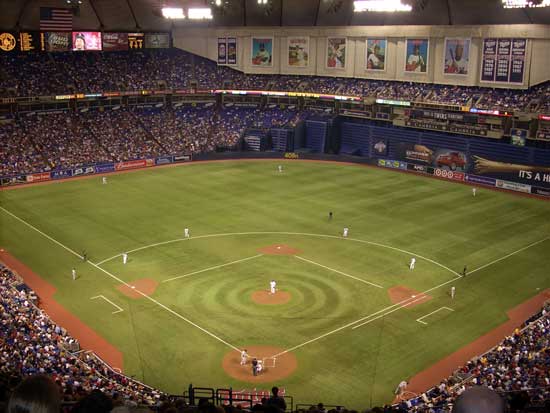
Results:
[402, 166]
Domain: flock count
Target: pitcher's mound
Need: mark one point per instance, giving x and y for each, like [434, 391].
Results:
[146, 285]
[274, 369]
[279, 249]
[265, 298]
[400, 293]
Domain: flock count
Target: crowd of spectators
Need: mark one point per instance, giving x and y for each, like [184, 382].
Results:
[60, 73]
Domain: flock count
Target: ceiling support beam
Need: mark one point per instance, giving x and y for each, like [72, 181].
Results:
[133, 14]
[101, 25]
[20, 16]
[317, 13]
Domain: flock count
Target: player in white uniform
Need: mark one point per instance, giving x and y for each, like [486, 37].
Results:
[345, 234]
[474, 191]
[124, 258]
[453, 291]
[272, 286]
[244, 356]
[411, 265]
[186, 232]
[73, 272]
[280, 168]
[260, 366]
[104, 180]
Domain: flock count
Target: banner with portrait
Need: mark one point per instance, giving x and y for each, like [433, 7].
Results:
[417, 54]
[262, 51]
[457, 56]
[376, 54]
[83, 41]
[231, 50]
[115, 41]
[222, 50]
[336, 52]
[298, 51]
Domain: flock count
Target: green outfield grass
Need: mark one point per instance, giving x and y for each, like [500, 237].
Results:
[235, 208]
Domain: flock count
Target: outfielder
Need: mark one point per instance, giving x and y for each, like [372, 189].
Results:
[272, 286]
[244, 356]
[124, 258]
[474, 191]
[73, 272]
[411, 265]
[186, 232]
[453, 292]
[280, 167]
[345, 234]
[104, 180]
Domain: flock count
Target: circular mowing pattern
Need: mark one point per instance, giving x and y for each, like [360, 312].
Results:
[263, 297]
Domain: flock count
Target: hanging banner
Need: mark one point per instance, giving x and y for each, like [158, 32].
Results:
[157, 40]
[262, 51]
[222, 50]
[298, 51]
[336, 52]
[231, 50]
[503, 60]
[457, 56]
[55, 41]
[376, 54]
[115, 41]
[417, 54]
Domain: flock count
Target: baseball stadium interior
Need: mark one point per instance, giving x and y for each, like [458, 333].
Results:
[457, 90]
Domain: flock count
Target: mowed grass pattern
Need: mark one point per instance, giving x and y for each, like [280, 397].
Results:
[438, 220]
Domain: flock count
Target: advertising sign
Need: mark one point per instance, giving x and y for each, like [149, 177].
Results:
[86, 41]
[40, 177]
[157, 40]
[514, 186]
[115, 41]
[56, 41]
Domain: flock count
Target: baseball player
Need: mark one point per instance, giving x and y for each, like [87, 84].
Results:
[330, 215]
[411, 265]
[186, 232]
[401, 387]
[345, 234]
[124, 258]
[73, 272]
[272, 286]
[474, 191]
[260, 366]
[453, 292]
[280, 167]
[104, 180]
[244, 356]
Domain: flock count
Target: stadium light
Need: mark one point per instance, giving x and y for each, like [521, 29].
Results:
[203, 13]
[173, 13]
[522, 4]
[380, 6]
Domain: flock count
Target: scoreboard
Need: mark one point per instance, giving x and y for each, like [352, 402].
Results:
[20, 42]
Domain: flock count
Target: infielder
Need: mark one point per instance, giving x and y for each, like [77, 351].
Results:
[453, 292]
[73, 272]
[104, 180]
[345, 234]
[259, 367]
[244, 356]
[124, 258]
[474, 191]
[186, 232]
[272, 286]
[411, 265]
[280, 167]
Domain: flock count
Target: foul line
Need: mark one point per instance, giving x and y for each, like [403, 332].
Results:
[109, 301]
[338, 272]
[509, 255]
[40, 232]
[389, 312]
[433, 312]
[211, 268]
[128, 285]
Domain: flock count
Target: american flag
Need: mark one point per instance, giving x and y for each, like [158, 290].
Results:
[54, 19]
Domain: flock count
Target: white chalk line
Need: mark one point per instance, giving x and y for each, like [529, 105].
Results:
[211, 268]
[109, 301]
[338, 272]
[128, 285]
[509, 255]
[229, 234]
[433, 312]
[389, 312]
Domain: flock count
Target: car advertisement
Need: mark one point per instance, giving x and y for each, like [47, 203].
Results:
[448, 159]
